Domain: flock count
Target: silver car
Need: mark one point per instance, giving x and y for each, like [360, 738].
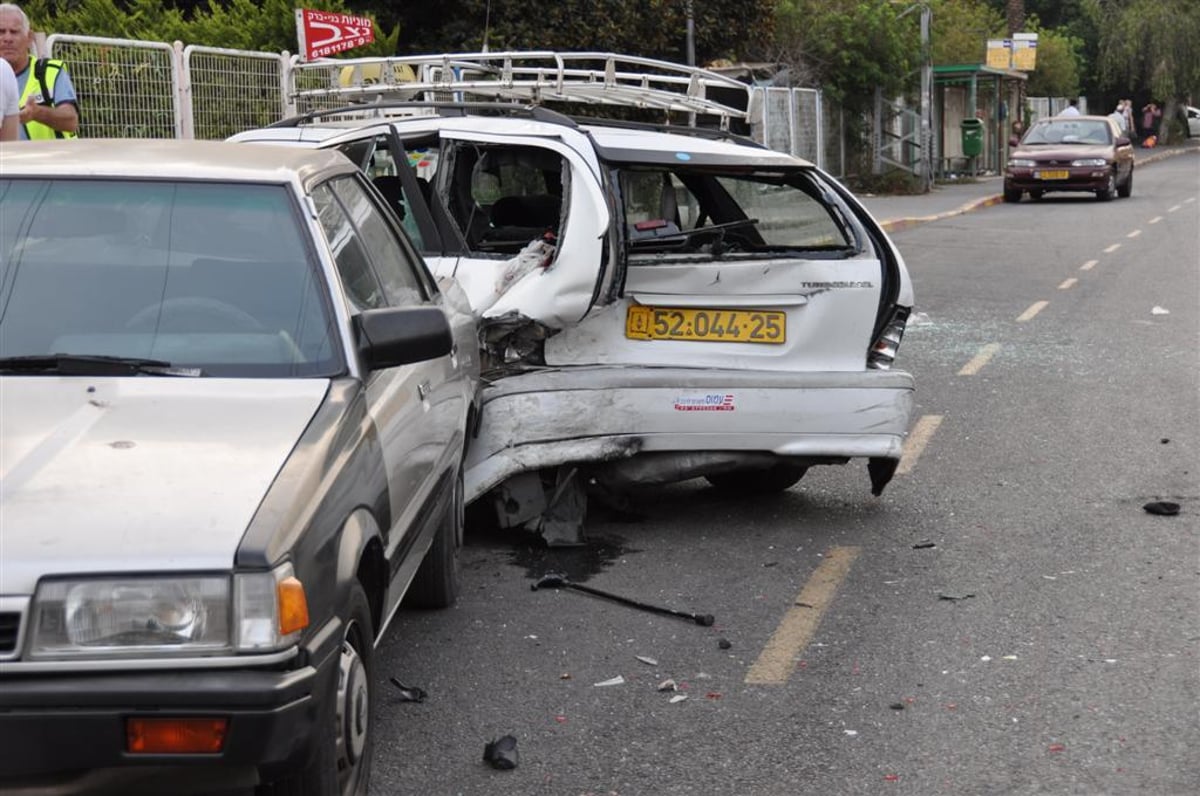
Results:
[235, 408]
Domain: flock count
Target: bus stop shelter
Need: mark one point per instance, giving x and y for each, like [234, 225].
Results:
[973, 109]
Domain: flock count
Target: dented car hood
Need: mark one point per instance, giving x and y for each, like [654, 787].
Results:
[129, 474]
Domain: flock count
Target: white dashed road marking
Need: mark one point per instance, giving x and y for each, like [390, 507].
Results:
[1068, 283]
[979, 360]
[918, 438]
[1112, 248]
[1033, 310]
[1089, 265]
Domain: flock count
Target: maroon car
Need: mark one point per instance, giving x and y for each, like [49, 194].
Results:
[1070, 153]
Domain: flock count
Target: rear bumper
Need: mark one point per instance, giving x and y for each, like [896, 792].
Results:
[545, 419]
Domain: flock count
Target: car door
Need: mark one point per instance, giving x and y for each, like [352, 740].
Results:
[409, 405]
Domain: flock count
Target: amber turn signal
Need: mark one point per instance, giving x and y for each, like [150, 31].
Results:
[293, 606]
[175, 736]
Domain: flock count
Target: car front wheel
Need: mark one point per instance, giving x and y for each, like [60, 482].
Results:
[758, 482]
[1126, 188]
[1109, 191]
[1012, 195]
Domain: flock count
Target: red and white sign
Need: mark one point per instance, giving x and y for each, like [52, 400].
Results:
[325, 33]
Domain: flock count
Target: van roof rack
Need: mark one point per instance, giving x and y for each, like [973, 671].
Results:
[528, 77]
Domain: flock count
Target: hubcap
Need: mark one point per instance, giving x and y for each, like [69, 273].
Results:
[353, 708]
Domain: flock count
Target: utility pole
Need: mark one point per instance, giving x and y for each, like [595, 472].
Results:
[691, 34]
[926, 98]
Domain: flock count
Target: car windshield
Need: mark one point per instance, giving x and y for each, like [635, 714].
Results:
[212, 277]
[724, 212]
[1066, 131]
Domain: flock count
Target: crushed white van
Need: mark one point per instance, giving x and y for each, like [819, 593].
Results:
[657, 302]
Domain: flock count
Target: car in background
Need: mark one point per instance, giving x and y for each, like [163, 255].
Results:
[235, 407]
[1192, 115]
[1070, 153]
[656, 302]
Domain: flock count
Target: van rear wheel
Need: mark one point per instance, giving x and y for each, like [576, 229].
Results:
[758, 482]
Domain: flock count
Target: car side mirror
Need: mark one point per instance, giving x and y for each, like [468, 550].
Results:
[1123, 141]
[396, 336]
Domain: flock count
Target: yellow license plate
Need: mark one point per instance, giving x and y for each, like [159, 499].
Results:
[722, 326]
[1061, 174]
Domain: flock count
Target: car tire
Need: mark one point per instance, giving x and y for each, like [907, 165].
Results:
[758, 482]
[436, 583]
[1036, 195]
[1109, 191]
[340, 763]
[1012, 196]
[1125, 189]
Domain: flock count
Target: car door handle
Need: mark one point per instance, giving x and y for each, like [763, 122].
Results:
[423, 390]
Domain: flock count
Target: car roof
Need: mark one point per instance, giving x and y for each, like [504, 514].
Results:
[614, 139]
[1079, 118]
[173, 158]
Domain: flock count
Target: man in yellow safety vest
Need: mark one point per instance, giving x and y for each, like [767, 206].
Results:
[49, 107]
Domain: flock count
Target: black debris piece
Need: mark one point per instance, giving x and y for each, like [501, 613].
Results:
[1164, 440]
[408, 693]
[555, 580]
[501, 753]
[1163, 508]
[944, 596]
[897, 706]
[924, 544]
[724, 643]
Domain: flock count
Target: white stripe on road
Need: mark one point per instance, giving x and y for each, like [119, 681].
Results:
[1089, 265]
[918, 438]
[1173, 209]
[979, 360]
[1034, 309]
[1067, 283]
[1155, 220]
[1112, 248]
[1134, 234]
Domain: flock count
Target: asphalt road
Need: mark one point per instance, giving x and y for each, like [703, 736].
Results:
[1005, 619]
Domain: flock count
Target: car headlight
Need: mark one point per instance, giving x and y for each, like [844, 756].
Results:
[1089, 162]
[167, 616]
[1022, 163]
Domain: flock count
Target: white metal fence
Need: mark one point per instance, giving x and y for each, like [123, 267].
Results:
[142, 89]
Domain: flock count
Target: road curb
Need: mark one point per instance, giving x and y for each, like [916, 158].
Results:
[897, 224]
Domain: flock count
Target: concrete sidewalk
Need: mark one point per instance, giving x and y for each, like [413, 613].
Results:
[955, 198]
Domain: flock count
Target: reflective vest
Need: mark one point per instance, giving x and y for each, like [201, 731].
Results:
[42, 75]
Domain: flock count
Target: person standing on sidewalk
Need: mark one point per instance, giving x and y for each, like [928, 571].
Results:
[49, 107]
[1151, 113]
[10, 108]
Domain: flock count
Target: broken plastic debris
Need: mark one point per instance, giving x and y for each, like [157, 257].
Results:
[668, 685]
[985, 658]
[891, 777]
[924, 544]
[501, 753]
[897, 706]
[1157, 310]
[647, 661]
[724, 643]
[677, 698]
[851, 733]
[1057, 747]
[1010, 657]
[952, 597]
[1163, 508]
[408, 693]
[713, 695]
[618, 680]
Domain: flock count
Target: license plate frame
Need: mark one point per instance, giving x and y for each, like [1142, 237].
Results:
[1053, 174]
[706, 324]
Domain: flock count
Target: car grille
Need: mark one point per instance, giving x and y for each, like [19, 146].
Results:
[10, 625]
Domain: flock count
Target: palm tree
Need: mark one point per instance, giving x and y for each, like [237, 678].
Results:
[1016, 15]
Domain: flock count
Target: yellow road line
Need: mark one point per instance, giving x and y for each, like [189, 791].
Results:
[979, 360]
[1134, 234]
[778, 659]
[1155, 220]
[1034, 309]
[1112, 248]
[918, 438]
[1089, 265]
[1068, 283]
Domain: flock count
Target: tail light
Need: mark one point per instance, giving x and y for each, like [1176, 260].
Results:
[883, 348]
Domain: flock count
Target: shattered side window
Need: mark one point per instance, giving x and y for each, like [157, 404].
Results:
[726, 212]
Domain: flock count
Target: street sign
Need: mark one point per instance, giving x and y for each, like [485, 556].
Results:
[325, 33]
[999, 53]
[1024, 51]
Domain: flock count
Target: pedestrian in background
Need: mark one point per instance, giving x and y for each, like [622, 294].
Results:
[10, 108]
[1072, 108]
[1151, 113]
[49, 107]
[1127, 111]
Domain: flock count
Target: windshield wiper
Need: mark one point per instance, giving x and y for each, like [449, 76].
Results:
[93, 365]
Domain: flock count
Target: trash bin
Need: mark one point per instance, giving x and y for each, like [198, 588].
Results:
[972, 137]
